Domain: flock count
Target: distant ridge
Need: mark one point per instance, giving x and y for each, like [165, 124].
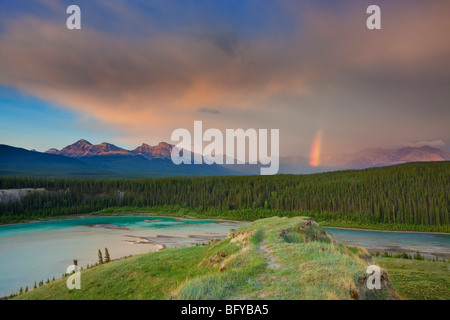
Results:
[83, 148]
[108, 160]
[370, 157]
[161, 151]
[104, 160]
[21, 162]
[378, 157]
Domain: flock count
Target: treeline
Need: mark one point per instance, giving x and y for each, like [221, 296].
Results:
[414, 194]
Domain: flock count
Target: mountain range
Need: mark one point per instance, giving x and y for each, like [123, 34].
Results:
[107, 160]
[366, 158]
[83, 159]
[83, 148]
[378, 157]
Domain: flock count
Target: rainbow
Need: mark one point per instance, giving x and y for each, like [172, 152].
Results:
[314, 157]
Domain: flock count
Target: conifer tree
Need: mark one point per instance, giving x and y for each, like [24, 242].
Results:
[100, 257]
[107, 258]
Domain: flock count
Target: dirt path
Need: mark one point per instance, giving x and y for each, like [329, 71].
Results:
[265, 277]
[265, 251]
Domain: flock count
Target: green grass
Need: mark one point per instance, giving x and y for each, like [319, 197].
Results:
[147, 276]
[418, 280]
[257, 263]
[337, 223]
[311, 265]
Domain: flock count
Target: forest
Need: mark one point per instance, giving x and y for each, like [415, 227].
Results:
[412, 194]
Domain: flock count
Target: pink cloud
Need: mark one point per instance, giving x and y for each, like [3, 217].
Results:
[148, 86]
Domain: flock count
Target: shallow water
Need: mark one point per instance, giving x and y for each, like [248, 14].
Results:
[429, 244]
[39, 251]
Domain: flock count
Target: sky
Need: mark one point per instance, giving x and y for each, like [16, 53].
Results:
[137, 70]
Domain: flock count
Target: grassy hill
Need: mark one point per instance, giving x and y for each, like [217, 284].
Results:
[274, 258]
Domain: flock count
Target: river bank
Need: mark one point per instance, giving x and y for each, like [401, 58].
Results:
[430, 245]
[44, 249]
[389, 231]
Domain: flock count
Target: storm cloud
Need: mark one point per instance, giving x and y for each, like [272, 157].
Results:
[326, 71]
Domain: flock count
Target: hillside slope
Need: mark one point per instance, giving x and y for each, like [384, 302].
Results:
[99, 164]
[21, 162]
[275, 258]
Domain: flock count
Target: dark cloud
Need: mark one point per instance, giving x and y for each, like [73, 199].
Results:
[207, 110]
[227, 42]
[362, 88]
[418, 144]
